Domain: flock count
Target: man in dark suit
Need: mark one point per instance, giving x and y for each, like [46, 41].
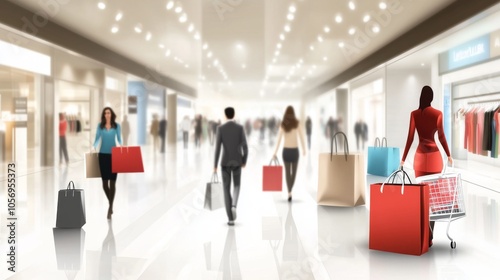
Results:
[162, 131]
[234, 157]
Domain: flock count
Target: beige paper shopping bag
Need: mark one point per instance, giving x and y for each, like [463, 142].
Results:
[92, 165]
[341, 177]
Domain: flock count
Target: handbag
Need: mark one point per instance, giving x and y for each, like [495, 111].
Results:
[341, 178]
[126, 159]
[382, 160]
[214, 196]
[92, 169]
[272, 178]
[399, 216]
[70, 207]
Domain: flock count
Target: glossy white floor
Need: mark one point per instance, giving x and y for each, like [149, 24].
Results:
[160, 230]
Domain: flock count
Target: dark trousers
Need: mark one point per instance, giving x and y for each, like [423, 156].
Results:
[309, 141]
[291, 160]
[162, 148]
[227, 172]
[185, 138]
[63, 149]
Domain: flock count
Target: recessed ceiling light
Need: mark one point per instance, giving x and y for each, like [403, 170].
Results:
[114, 29]
[301, 61]
[101, 5]
[216, 62]
[288, 28]
[352, 6]
[338, 18]
[278, 45]
[341, 44]
[314, 66]
[311, 47]
[320, 39]
[262, 93]
[325, 58]
[170, 5]
[282, 37]
[239, 46]
[277, 53]
[191, 28]
[290, 16]
[205, 46]
[376, 29]
[138, 28]
[209, 54]
[167, 53]
[274, 60]
[197, 36]
[292, 9]
[422, 64]
[243, 66]
[303, 78]
[161, 46]
[186, 65]
[183, 18]
[382, 5]
[148, 36]
[178, 9]
[366, 18]
[352, 30]
[326, 29]
[118, 16]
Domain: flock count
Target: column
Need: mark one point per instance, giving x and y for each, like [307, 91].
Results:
[172, 117]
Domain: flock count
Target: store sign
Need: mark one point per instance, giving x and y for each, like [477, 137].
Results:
[132, 104]
[469, 53]
[495, 44]
[20, 111]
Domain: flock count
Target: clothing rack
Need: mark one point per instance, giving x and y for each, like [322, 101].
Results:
[484, 101]
[476, 96]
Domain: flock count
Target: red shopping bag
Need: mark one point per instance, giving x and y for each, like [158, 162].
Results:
[126, 159]
[399, 217]
[272, 177]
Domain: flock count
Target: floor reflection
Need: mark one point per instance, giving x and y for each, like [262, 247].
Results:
[108, 252]
[230, 265]
[69, 245]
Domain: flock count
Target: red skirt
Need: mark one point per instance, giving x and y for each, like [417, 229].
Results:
[427, 163]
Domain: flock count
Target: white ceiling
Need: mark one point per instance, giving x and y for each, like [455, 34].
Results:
[243, 37]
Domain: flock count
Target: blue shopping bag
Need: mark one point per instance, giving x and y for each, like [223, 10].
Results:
[382, 160]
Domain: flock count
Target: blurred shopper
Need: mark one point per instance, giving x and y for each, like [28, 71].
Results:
[248, 127]
[231, 136]
[427, 121]
[309, 132]
[108, 132]
[155, 127]
[197, 130]
[361, 132]
[185, 127]
[292, 132]
[162, 132]
[125, 130]
[63, 149]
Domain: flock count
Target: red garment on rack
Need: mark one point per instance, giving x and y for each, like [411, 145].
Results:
[479, 132]
[428, 159]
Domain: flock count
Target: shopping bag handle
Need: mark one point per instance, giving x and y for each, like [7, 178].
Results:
[393, 177]
[384, 139]
[121, 149]
[377, 142]
[275, 160]
[445, 165]
[215, 178]
[69, 188]
[346, 146]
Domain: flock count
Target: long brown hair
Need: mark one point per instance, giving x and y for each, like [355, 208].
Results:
[426, 97]
[103, 118]
[289, 120]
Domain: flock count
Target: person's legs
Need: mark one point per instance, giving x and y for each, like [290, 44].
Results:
[288, 175]
[309, 141]
[293, 173]
[112, 191]
[226, 182]
[236, 183]
[185, 139]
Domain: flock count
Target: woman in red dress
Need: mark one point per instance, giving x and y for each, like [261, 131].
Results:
[427, 120]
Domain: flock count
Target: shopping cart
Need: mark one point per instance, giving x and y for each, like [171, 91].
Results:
[446, 198]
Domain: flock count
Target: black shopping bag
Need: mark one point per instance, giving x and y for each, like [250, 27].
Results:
[70, 207]
[214, 194]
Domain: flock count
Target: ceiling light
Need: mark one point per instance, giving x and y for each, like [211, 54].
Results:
[301, 61]
[278, 45]
[326, 29]
[311, 47]
[167, 53]
[190, 28]
[197, 36]
[287, 78]
[185, 65]
[243, 66]
[314, 66]
[376, 29]
[170, 5]
[209, 54]
[422, 64]
[382, 5]
[282, 37]
[148, 36]
[178, 9]
[183, 18]
[274, 60]
[161, 46]
[101, 5]
[287, 28]
[325, 58]
[277, 53]
[239, 46]
[262, 93]
[341, 44]
[320, 39]
[216, 62]
[205, 46]
[138, 28]
[366, 18]
[114, 29]
[352, 6]
[303, 78]
[292, 9]
[290, 16]
[338, 18]
[352, 30]
[118, 16]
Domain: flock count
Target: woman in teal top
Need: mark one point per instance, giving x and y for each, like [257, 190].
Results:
[108, 131]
